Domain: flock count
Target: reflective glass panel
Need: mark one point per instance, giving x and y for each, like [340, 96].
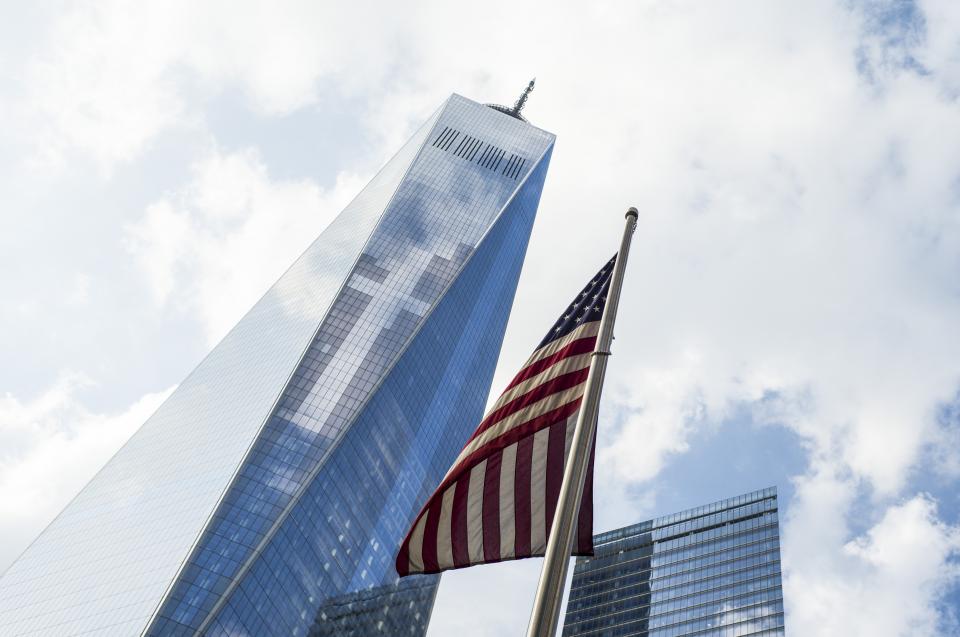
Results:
[103, 565]
[166, 530]
[423, 248]
[713, 570]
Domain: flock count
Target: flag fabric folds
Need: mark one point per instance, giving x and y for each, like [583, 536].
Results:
[497, 501]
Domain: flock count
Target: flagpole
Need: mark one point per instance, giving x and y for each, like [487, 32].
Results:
[546, 605]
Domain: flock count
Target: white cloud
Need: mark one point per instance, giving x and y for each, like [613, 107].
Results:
[215, 246]
[659, 415]
[940, 51]
[50, 446]
[112, 76]
[161, 240]
[886, 582]
[105, 83]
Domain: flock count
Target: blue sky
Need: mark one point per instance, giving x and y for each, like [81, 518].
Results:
[791, 303]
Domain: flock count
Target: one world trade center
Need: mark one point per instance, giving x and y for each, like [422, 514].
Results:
[268, 494]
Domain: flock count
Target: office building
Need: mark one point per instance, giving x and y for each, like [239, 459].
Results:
[712, 571]
[268, 494]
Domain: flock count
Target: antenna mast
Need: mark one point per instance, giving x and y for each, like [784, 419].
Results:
[518, 106]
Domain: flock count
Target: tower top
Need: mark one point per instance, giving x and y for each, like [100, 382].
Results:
[518, 105]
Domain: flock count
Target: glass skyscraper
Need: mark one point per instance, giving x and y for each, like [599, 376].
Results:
[269, 493]
[713, 571]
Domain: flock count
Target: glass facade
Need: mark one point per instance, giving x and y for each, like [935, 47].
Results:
[713, 571]
[401, 609]
[278, 501]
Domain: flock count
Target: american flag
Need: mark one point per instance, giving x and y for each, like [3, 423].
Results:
[497, 501]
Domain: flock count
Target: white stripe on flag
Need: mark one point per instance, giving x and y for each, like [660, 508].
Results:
[475, 512]
[571, 425]
[508, 529]
[444, 543]
[416, 544]
[538, 491]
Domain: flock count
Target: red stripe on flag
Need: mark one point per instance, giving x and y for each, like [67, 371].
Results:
[430, 563]
[491, 508]
[521, 496]
[575, 348]
[552, 386]
[555, 462]
[458, 521]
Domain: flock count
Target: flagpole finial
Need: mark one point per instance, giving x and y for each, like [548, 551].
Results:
[632, 212]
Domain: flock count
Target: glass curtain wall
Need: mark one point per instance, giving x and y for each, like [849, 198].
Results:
[713, 571]
[268, 494]
[389, 389]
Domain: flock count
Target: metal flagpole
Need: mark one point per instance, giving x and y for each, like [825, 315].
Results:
[546, 606]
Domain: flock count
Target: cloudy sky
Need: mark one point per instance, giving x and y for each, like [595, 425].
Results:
[791, 307]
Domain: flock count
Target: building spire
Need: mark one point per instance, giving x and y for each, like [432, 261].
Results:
[518, 106]
[514, 111]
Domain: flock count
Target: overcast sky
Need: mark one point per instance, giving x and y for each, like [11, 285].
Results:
[791, 307]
